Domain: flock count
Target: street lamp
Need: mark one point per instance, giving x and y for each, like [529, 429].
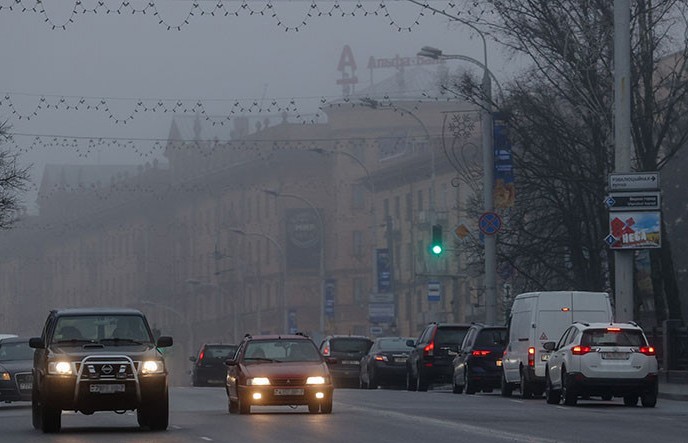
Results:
[488, 158]
[283, 267]
[321, 272]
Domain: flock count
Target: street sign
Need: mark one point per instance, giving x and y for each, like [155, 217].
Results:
[461, 231]
[489, 223]
[635, 230]
[433, 291]
[634, 181]
[638, 201]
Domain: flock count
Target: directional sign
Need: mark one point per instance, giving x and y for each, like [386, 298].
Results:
[634, 181]
[433, 291]
[489, 223]
[639, 201]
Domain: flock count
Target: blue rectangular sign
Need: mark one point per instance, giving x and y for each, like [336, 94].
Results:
[329, 297]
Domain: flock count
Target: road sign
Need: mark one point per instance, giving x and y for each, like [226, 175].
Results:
[433, 291]
[461, 231]
[634, 181]
[638, 201]
[489, 223]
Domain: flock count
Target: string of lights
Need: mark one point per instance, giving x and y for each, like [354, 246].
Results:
[219, 9]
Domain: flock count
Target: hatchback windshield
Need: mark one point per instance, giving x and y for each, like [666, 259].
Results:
[450, 336]
[349, 345]
[608, 337]
[117, 329]
[15, 351]
[281, 351]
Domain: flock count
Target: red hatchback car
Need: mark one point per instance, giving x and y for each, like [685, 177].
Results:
[272, 370]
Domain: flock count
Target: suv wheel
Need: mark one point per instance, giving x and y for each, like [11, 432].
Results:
[326, 406]
[526, 388]
[243, 406]
[470, 389]
[410, 381]
[553, 396]
[51, 419]
[568, 392]
[456, 389]
[649, 399]
[505, 389]
[155, 415]
[630, 400]
[232, 406]
[361, 383]
[35, 408]
[313, 408]
[372, 381]
[421, 382]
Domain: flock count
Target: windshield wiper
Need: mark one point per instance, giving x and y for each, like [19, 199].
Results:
[271, 360]
[74, 341]
[118, 340]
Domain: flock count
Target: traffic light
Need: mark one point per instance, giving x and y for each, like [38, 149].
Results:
[436, 245]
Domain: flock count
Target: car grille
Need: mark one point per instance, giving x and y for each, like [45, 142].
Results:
[107, 368]
[24, 379]
[290, 381]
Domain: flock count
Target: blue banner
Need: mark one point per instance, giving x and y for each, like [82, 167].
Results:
[383, 265]
[329, 297]
[504, 190]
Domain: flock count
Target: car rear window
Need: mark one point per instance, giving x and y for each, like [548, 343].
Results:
[220, 352]
[605, 337]
[349, 345]
[450, 336]
[396, 344]
[15, 351]
[490, 337]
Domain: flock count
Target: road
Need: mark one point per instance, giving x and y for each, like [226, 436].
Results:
[200, 415]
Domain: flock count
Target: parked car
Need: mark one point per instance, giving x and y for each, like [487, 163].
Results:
[209, 367]
[602, 359]
[478, 366]
[385, 363]
[344, 353]
[539, 317]
[98, 359]
[16, 364]
[270, 370]
[431, 356]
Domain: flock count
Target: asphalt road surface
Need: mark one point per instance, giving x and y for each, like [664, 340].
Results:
[200, 415]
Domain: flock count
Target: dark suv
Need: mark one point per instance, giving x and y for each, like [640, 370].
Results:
[98, 359]
[344, 353]
[478, 367]
[430, 360]
[209, 367]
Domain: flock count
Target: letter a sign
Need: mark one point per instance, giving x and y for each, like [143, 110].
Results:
[347, 66]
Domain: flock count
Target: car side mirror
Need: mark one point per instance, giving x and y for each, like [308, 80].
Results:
[36, 343]
[410, 343]
[192, 359]
[331, 361]
[549, 345]
[231, 362]
[164, 341]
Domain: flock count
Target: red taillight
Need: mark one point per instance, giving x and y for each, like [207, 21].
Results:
[429, 348]
[326, 351]
[580, 350]
[531, 356]
[200, 357]
[480, 353]
[647, 350]
[613, 329]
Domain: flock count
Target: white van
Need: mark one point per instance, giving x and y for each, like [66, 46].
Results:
[538, 317]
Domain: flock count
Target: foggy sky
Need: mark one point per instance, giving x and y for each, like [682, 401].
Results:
[214, 59]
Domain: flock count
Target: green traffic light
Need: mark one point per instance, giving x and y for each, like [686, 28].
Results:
[437, 249]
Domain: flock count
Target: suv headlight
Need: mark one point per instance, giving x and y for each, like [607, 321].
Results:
[6, 376]
[60, 368]
[152, 367]
[315, 380]
[258, 381]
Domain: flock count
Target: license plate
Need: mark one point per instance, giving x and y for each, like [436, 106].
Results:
[110, 388]
[288, 391]
[350, 362]
[499, 362]
[615, 356]
[400, 360]
[25, 386]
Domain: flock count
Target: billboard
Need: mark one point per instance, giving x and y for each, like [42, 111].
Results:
[383, 270]
[635, 230]
[304, 236]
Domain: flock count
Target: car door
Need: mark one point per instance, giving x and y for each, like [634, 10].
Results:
[416, 354]
[556, 359]
[365, 362]
[234, 373]
[460, 359]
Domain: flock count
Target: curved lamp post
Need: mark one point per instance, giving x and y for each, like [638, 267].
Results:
[321, 272]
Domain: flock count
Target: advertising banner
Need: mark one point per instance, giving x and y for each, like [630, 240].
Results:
[635, 230]
[329, 297]
[383, 270]
[504, 190]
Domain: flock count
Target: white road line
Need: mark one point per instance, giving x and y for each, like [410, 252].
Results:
[176, 427]
[516, 401]
[206, 438]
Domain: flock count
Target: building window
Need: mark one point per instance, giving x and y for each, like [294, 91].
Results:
[358, 201]
[359, 294]
[357, 243]
[420, 200]
[397, 207]
[385, 204]
[409, 207]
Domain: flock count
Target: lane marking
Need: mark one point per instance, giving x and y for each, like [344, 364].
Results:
[176, 427]
[206, 438]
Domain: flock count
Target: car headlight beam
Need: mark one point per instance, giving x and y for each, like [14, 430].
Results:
[60, 368]
[258, 381]
[315, 380]
[152, 367]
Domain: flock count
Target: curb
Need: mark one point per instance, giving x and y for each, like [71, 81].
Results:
[669, 396]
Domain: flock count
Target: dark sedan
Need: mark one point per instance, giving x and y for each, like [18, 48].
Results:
[16, 364]
[385, 363]
[478, 366]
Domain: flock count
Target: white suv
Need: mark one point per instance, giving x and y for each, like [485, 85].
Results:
[602, 359]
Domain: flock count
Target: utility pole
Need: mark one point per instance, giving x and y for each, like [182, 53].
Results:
[623, 259]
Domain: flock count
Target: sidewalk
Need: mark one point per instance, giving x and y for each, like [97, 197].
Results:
[673, 385]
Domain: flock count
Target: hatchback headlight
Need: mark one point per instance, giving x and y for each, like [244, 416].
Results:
[258, 381]
[152, 367]
[60, 368]
[315, 380]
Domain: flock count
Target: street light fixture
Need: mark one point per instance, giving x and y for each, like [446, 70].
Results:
[283, 271]
[321, 272]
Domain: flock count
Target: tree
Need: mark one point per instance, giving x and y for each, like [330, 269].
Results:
[13, 180]
[561, 120]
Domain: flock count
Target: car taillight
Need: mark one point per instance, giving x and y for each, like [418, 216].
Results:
[580, 350]
[326, 351]
[480, 353]
[531, 356]
[200, 357]
[613, 329]
[647, 350]
[429, 348]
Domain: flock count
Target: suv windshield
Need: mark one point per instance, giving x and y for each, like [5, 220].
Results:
[281, 351]
[605, 337]
[450, 336]
[349, 345]
[124, 329]
[15, 351]
[490, 337]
